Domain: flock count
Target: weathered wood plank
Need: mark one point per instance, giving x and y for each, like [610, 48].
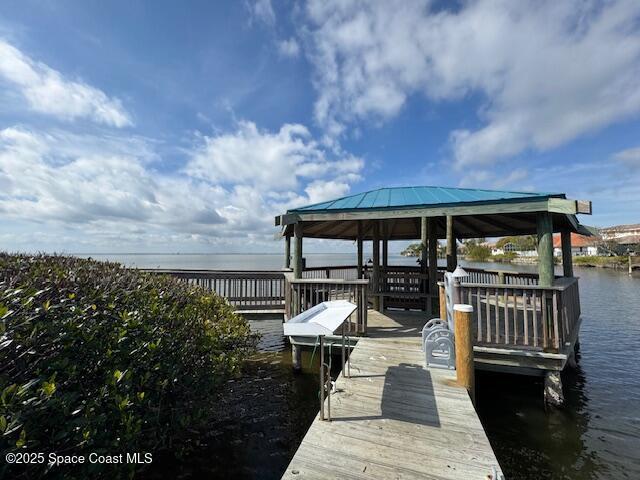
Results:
[394, 418]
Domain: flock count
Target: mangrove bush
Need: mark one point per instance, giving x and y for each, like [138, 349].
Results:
[98, 358]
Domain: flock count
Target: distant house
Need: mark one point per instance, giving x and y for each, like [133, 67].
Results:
[581, 245]
[622, 234]
[509, 247]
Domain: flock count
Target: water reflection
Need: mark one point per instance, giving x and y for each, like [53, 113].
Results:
[597, 434]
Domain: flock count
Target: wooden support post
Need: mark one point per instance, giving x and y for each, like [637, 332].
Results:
[567, 257]
[385, 253]
[545, 249]
[385, 263]
[452, 247]
[296, 357]
[553, 395]
[443, 303]
[296, 350]
[360, 250]
[464, 348]
[287, 251]
[424, 248]
[297, 260]
[375, 288]
[322, 375]
[424, 254]
[433, 259]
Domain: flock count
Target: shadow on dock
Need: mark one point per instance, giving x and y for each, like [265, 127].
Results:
[407, 396]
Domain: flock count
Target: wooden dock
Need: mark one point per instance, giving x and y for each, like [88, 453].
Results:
[394, 418]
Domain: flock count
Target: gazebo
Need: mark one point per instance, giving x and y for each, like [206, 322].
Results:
[533, 312]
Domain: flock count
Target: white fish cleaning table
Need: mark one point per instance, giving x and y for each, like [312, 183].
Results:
[326, 318]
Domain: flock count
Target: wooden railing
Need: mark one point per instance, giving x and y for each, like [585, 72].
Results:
[478, 275]
[524, 316]
[303, 293]
[342, 272]
[245, 290]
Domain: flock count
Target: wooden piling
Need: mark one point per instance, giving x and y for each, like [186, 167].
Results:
[464, 348]
[443, 303]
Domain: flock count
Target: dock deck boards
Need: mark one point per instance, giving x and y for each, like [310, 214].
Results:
[394, 418]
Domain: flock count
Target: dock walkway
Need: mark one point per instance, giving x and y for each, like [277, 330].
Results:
[394, 418]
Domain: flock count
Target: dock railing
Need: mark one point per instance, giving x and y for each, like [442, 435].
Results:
[303, 293]
[245, 290]
[510, 309]
[524, 316]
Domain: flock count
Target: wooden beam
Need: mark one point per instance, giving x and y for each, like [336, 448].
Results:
[486, 209]
[554, 205]
[567, 257]
[583, 206]
[545, 249]
[297, 261]
[562, 205]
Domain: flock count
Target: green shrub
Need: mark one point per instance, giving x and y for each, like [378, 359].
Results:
[504, 257]
[477, 253]
[98, 358]
[597, 261]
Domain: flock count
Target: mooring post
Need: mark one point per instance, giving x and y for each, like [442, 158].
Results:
[464, 348]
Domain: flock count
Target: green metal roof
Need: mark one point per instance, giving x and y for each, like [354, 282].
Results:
[406, 197]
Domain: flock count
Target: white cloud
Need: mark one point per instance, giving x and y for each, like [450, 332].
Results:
[629, 157]
[273, 161]
[262, 11]
[289, 47]
[110, 191]
[548, 72]
[48, 91]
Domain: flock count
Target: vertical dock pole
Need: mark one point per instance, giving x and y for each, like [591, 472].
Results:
[464, 348]
[296, 357]
[443, 303]
[321, 377]
[296, 350]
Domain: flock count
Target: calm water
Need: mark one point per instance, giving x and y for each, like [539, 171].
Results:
[596, 436]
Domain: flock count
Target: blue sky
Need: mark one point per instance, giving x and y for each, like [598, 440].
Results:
[163, 127]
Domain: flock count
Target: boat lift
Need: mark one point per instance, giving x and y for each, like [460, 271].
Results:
[326, 318]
